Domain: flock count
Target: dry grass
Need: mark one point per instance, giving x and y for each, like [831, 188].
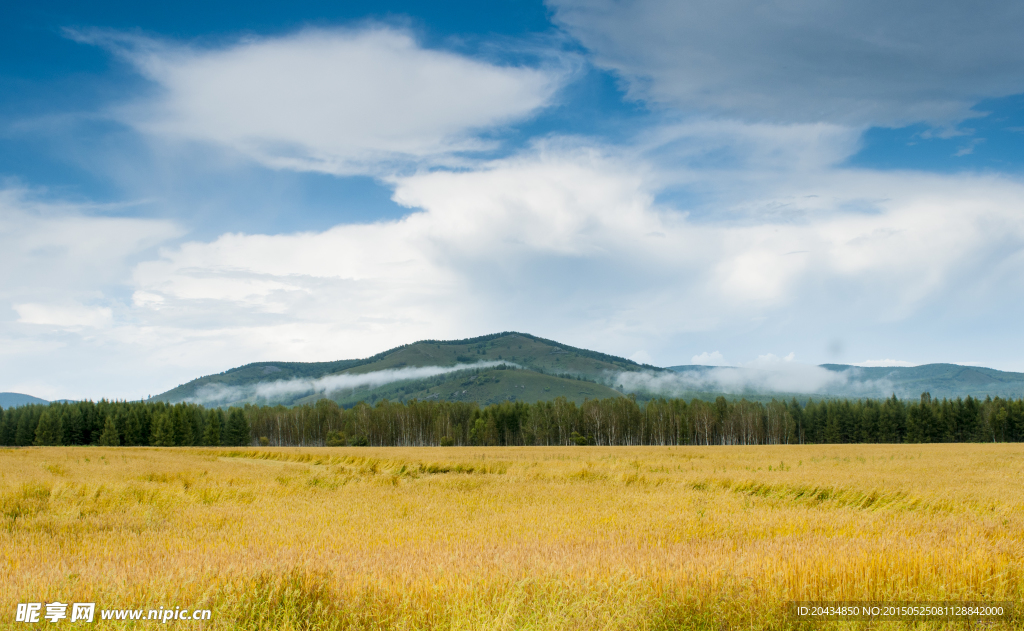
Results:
[517, 538]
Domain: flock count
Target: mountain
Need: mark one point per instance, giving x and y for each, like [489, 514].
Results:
[499, 367]
[14, 399]
[940, 380]
[521, 367]
[843, 380]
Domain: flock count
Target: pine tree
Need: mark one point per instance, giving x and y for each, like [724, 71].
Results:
[162, 430]
[7, 428]
[181, 420]
[73, 431]
[214, 428]
[48, 431]
[133, 426]
[237, 430]
[109, 437]
[26, 432]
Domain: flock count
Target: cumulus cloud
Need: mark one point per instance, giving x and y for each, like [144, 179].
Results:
[63, 331]
[335, 101]
[56, 248]
[856, 63]
[570, 242]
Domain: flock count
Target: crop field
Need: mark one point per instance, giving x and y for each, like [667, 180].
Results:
[573, 538]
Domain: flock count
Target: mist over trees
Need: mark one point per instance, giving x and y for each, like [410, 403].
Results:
[612, 421]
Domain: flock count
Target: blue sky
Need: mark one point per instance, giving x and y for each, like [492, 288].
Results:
[186, 188]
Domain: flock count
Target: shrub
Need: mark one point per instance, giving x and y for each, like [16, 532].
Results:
[335, 439]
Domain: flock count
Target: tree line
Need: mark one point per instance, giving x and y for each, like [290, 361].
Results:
[612, 421]
[114, 423]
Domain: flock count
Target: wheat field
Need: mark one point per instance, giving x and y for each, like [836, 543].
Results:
[510, 538]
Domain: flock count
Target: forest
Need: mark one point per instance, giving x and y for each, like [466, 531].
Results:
[610, 421]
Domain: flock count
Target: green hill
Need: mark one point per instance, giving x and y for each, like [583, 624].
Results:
[492, 368]
[14, 399]
[521, 367]
[940, 380]
[906, 382]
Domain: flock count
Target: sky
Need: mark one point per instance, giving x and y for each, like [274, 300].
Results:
[189, 187]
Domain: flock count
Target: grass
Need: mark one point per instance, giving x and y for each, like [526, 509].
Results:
[510, 538]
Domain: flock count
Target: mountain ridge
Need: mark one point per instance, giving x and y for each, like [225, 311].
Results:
[541, 356]
[519, 366]
[17, 399]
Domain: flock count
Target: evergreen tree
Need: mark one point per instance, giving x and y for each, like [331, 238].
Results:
[26, 432]
[133, 425]
[182, 423]
[91, 426]
[891, 421]
[109, 437]
[214, 427]
[48, 431]
[74, 431]
[197, 416]
[237, 430]
[162, 429]
[7, 428]
[119, 412]
[796, 412]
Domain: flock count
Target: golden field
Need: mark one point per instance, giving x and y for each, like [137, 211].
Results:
[510, 538]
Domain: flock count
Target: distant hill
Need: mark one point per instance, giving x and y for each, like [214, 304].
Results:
[939, 380]
[488, 369]
[14, 399]
[521, 367]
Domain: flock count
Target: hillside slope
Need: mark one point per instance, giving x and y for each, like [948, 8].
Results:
[15, 399]
[940, 380]
[543, 369]
[906, 382]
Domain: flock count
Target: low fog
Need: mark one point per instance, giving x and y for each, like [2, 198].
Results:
[766, 375]
[219, 394]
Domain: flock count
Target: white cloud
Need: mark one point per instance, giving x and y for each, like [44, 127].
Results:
[851, 62]
[67, 251]
[566, 242]
[559, 241]
[219, 394]
[882, 363]
[641, 357]
[64, 315]
[333, 101]
[63, 331]
[709, 359]
[767, 373]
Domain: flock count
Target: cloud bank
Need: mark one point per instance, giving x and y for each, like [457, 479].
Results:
[219, 394]
[849, 62]
[727, 222]
[767, 374]
[569, 242]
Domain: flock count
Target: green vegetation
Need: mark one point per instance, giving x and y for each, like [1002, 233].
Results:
[557, 370]
[607, 421]
[545, 370]
[483, 386]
